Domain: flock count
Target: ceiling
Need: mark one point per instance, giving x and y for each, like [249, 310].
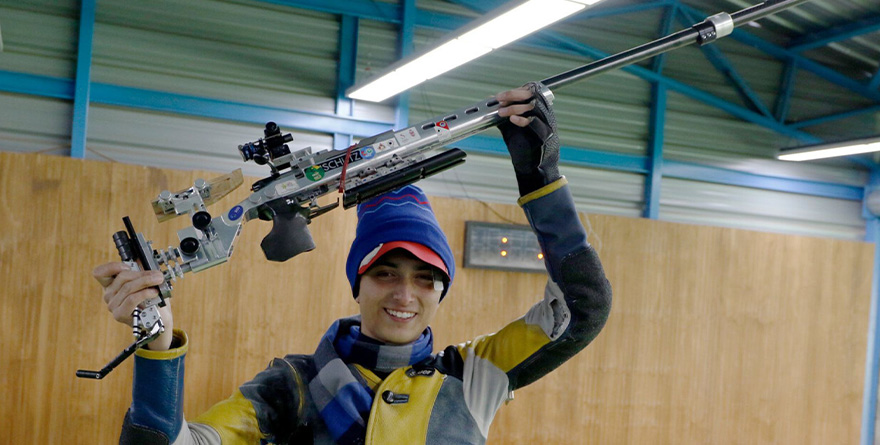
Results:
[178, 85]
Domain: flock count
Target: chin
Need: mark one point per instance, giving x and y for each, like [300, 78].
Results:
[399, 339]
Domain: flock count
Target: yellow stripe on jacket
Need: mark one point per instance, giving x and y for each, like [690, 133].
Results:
[510, 346]
[234, 419]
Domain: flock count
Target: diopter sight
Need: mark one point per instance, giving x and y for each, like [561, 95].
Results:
[264, 151]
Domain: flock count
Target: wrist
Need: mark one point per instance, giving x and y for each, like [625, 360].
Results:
[535, 180]
[163, 342]
[529, 182]
[178, 346]
[543, 191]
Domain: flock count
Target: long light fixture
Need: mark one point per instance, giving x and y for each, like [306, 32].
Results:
[501, 27]
[830, 150]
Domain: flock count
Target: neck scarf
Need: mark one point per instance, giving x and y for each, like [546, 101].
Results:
[340, 393]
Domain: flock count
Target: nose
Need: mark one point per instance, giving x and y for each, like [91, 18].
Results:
[404, 292]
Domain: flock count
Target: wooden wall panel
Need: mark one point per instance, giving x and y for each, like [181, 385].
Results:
[716, 335]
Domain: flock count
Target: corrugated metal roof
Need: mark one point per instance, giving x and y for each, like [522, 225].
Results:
[256, 52]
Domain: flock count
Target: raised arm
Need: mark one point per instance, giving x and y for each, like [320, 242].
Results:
[577, 297]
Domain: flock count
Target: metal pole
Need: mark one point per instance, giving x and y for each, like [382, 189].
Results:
[673, 41]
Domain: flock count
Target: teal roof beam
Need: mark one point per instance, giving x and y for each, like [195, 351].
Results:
[46, 86]
[875, 81]
[786, 89]
[83, 81]
[345, 73]
[598, 11]
[657, 125]
[406, 46]
[836, 34]
[833, 117]
[589, 158]
[363, 9]
[872, 356]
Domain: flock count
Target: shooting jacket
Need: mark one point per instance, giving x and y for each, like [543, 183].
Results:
[450, 398]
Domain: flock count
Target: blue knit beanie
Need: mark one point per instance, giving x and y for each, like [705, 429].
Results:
[401, 215]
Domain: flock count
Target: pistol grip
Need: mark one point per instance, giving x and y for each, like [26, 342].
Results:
[290, 234]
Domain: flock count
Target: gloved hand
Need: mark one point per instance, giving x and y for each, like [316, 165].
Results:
[530, 135]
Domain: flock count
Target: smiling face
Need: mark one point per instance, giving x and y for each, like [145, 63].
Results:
[397, 298]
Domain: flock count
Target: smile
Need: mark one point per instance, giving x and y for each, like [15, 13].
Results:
[400, 314]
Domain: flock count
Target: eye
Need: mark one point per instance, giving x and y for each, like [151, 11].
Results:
[425, 279]
[383, 274]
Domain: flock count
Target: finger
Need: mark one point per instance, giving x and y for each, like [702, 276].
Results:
[144, 280]
[106, 272]
[515, 95]
[119, 280]
[520, 121]
[122, 311]
[130, 282]
[125, 303]
[514, 110]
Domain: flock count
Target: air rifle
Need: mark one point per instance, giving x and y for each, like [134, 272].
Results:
[375, 165]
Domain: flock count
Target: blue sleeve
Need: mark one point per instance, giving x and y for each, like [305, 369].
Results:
[156, 412]
[577, 299]
[550, 210]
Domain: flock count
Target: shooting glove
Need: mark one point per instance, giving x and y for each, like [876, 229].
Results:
[534, 149]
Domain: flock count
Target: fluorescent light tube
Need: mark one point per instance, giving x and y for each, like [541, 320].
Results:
[520, 22]
[823, 151]
[476, 40]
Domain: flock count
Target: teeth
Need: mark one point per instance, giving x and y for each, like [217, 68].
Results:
[399, 314]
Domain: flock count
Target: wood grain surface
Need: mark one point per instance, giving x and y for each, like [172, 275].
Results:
[716, 335]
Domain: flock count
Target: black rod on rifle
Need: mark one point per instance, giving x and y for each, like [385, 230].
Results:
[702, 33]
